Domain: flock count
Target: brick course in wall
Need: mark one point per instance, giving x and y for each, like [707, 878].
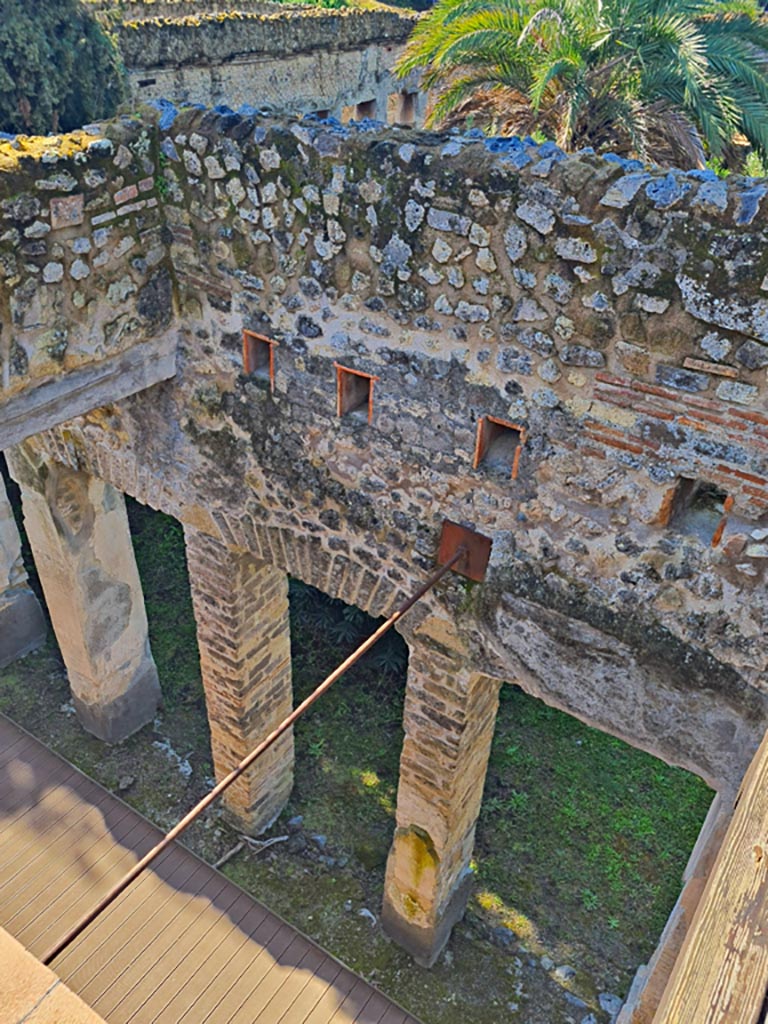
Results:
[241, 611]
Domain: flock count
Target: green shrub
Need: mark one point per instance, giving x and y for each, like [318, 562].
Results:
[59, 68]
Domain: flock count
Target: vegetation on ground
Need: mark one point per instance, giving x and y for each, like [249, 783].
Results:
[672, 81]
[59, 68]
[580, 846]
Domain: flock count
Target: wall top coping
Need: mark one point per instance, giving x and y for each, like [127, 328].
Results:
[215, 37]
[626, 182]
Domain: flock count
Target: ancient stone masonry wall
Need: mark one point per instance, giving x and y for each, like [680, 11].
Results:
[86, 297]
[377, 331]
[284, 59]
[141, 10]
[220, 38]
[615, 318]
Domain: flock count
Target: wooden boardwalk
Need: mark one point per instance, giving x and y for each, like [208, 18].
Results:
[183, 944]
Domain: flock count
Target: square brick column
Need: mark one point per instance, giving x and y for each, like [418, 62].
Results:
[449, 719]
[243, 632]
[78, 530]
[22, 624]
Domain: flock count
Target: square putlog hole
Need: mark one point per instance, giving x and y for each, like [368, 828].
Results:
[354, 393]
[499, 445]
[259, 356]
[697, 507]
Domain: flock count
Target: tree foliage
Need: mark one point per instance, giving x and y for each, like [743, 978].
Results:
[668, 80]
[59, 69]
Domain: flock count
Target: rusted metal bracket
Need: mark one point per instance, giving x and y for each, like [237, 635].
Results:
[477, 550]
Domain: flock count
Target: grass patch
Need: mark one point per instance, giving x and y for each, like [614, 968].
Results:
[582, 836]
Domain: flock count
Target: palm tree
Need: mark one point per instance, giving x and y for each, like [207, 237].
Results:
[668, 80]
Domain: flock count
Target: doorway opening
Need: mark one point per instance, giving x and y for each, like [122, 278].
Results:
[581, 842]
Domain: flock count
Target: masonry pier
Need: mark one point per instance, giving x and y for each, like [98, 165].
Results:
[78, 530]
[22, 625]
[243, 632]
[449, 718]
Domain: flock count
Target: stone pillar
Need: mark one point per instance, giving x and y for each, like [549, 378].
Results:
[449, 720]
[22, 624]
[243, 632]
[78, 530]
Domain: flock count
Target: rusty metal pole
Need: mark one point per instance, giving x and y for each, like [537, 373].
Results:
[120, 887]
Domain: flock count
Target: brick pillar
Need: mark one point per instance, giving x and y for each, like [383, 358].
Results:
[243, 632]
[449, 720]
[22, 624]
[78, 530]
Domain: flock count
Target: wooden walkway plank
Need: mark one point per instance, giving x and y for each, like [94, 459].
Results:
[721, 972]
[254, 993]
[46, 891]
[294, 982]
[239, 959]
[191, 926]
[127, 929]
[330, 1002]
[260, 995]
[358, 996]
[183, 945]
[29, 821]
[315, 989]
[255, 967]
[373, 1010]
[97, 946]
[204, 963]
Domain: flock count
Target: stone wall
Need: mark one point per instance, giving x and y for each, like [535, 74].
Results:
[85, 302]
[143, 10]
[289, 61]
[567, 353]
[613, 316]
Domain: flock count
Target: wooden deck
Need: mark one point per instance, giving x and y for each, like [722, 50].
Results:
[183, 944]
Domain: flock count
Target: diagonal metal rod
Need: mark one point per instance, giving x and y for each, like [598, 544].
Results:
[245, 764]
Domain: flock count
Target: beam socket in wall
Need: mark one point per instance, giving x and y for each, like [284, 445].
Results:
[259, 356]
[358, 111]
[498, 445]
[697, 507]
[354, 393]
[401, 109]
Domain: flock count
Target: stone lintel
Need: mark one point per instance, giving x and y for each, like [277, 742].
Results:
[45, 405]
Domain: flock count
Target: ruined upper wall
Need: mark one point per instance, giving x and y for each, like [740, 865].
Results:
[614, 318]
[141, 10]
[222, 37]
[290, 61]
[63, 347]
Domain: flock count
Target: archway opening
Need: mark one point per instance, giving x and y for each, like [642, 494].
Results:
[325, 870]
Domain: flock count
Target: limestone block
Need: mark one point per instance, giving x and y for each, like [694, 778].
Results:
[78, 530]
